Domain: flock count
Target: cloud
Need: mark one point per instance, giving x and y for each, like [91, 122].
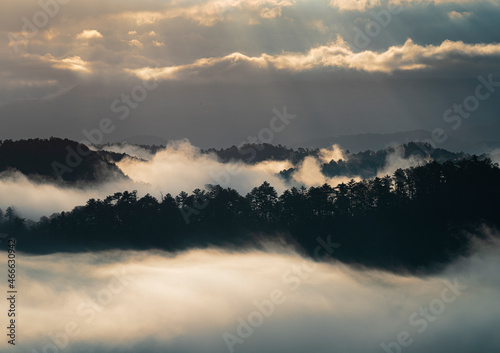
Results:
[158, 44]
[209, 13]
[182, 167]
[350, 5]
[495, 156]
[308, 172]
[73, 63]
[34, 200]
[396, 160]
[135, 42]
[127, 301]
[67, 63]
[89, 34]
[334, 153]
[131, 150]
[337, 55]
[455, 15]
[365, 5]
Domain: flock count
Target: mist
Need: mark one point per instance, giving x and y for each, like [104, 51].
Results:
[180, 166]
[495, 156]
[199, 300]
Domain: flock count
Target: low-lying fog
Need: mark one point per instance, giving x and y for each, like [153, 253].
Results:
[274, 300]
[179, 167]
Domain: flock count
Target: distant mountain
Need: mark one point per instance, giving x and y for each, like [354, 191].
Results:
[475, 139]
[368, 164]
[256, 153]
[363, 142]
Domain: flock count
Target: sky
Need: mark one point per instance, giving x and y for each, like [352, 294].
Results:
[216, 71]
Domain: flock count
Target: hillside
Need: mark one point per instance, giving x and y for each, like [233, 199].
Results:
[58, 160]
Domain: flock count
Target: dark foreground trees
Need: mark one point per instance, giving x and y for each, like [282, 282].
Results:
[415, 219]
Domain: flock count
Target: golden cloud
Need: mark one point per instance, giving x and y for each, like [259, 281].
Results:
[338, 54]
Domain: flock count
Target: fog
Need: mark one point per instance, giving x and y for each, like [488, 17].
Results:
[124, 301]
[181, 166]
[495, 156]
[33, 200]
[396, 160]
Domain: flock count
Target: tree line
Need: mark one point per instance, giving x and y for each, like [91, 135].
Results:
[66, 162]
[416, 219]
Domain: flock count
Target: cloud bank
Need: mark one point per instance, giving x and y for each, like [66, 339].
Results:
[187, 302]
[337, 55]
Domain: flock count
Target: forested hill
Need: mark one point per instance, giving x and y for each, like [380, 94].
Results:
[58, 160]
[415, 220]
[69, 162]
[264, 152]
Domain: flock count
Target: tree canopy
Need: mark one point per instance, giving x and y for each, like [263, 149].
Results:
[414, 219]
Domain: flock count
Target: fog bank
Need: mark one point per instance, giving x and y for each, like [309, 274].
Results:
[202, 299]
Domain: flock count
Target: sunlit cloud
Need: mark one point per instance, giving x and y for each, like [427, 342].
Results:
[89, 34]
[407, 57]
[72, 63]
[135, 43]
[182, 166]
[34, 200]
[334, 153]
